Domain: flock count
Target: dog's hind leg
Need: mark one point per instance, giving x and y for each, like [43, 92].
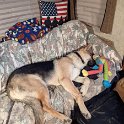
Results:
[28, 89]
[85, 84]
[44, 98]
[37, 109]
[69, 86]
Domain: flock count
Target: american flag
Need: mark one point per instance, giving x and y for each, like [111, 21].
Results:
[53, 9]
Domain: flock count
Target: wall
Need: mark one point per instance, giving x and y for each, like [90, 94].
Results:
[117, 35]
[13, 11]
[91, 11]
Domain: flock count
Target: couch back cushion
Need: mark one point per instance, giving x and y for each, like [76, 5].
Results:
[13, 11]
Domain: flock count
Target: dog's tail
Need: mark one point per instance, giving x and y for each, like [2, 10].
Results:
[37, 109]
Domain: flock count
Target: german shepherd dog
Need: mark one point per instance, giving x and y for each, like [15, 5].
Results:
[29, 83]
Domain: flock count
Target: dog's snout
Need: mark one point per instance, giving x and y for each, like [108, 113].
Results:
[91, 63]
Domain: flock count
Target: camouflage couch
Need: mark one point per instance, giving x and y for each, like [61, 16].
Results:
[59, 41]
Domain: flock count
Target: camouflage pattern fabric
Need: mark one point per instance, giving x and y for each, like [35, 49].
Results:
[58, 42]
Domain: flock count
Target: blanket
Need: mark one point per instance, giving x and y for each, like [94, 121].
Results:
[26, 31]
[61, 40]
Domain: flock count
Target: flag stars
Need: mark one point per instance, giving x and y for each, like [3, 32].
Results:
[48, 9]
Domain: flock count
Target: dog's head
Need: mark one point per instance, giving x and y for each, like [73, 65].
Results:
[87, 55]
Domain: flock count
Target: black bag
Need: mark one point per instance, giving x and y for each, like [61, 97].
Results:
[105, 108]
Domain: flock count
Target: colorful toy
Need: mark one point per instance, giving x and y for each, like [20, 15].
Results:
[103, 66]
[90, 66]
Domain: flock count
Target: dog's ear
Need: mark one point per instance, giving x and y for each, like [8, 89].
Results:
[89, 49]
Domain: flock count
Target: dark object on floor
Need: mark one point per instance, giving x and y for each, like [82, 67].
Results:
[106, 108]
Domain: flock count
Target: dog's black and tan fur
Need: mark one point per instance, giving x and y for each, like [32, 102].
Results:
[29, 83]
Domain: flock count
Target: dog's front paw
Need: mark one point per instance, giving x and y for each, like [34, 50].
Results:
[87, 115]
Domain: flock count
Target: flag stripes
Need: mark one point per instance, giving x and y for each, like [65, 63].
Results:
[54, 10]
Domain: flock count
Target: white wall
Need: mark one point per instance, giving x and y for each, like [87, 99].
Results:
[91, 11]
[117, 35]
